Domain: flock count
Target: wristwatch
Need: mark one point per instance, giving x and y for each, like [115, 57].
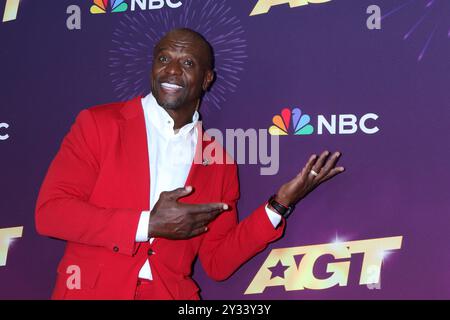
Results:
[280, 208]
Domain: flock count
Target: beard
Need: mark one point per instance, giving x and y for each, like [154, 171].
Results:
[172, 104]
[170, 101]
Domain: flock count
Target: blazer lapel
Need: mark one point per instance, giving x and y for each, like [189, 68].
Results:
[133, 136]
[201, 166]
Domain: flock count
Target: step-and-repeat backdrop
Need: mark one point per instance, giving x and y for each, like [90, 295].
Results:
[370, 78]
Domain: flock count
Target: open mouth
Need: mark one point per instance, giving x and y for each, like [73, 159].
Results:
[171, 87]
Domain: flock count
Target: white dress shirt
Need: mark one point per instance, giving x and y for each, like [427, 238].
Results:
[170, 155]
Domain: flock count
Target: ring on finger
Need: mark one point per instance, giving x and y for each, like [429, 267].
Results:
[315, 174]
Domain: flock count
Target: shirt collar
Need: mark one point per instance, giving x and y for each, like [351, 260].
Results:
[161, 120]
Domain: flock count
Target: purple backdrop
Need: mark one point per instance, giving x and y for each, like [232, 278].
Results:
[319, 57]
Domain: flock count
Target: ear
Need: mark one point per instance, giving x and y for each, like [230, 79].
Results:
[208, 79]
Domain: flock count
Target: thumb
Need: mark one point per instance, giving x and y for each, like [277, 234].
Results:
[180, 192]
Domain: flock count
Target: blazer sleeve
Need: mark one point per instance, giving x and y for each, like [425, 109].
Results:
[229, 244]
[63, 210]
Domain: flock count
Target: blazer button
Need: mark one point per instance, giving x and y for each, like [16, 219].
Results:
[116, 249]
[150, 252]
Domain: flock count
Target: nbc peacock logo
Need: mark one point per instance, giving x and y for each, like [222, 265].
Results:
[300, 123]
[100, 6]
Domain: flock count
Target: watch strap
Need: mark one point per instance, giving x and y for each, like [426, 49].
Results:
[280, 208]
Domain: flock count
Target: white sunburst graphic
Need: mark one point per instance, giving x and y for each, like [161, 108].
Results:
[433, 18]
[130, 58]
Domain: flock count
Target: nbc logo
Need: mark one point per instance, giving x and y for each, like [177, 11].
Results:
[100, 6]
[335, 124]
[300, 123]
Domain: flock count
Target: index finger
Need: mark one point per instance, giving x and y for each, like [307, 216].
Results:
[204, 207]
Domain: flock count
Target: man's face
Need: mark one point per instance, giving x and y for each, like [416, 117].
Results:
[180, 70]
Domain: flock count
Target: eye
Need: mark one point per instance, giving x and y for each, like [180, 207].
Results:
[189, 63]
[163, 59]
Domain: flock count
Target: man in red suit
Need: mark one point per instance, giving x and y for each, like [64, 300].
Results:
[134, 216]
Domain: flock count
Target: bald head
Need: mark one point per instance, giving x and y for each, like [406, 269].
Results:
[189, 35]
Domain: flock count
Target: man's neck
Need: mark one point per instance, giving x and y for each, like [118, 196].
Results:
[181, 117]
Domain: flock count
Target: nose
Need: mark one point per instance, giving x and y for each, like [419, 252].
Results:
[173, 68]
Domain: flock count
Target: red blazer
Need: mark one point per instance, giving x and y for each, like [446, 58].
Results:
[93, 195]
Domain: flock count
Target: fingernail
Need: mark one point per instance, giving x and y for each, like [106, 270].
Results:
[338, 154]
[188, 188]
[225, 207]
[206, 229]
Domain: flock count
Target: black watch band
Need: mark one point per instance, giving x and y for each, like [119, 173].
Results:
[281, 209]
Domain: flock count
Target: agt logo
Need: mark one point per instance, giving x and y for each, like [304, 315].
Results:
[11, 8]
[101, 6]
[6, 237]
[263, 6]
[293, 268]
[336, 124]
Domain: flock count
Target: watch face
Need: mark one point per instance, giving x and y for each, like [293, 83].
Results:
[278, 207]
[282, 210]
[288, 212]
